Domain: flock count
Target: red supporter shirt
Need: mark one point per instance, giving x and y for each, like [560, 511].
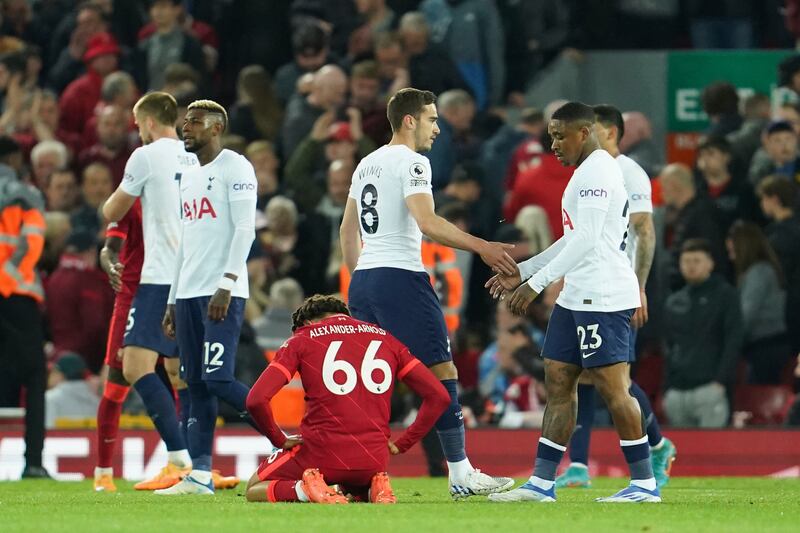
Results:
[348, 369]
[131, 256]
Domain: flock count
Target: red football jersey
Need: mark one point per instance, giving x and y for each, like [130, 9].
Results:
[348, 369]
[131, 256]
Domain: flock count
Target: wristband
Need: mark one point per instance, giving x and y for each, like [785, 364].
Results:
[226, 284]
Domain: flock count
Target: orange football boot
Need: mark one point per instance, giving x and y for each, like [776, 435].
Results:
[380, 490]
[223, 482]
[167, 477]
[104, 483]
[317, 490]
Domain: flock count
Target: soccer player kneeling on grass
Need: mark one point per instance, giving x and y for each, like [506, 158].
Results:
[348, 368]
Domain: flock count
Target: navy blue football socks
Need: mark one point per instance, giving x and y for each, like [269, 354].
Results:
[450, 426]
[161, 408]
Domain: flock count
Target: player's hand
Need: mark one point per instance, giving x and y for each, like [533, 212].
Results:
[495, 255]
[500, 283]
[292, 441]
[522, 298]
[394, 450]
[111, 266]
[640, 316]
[218, 305]
[168, 322]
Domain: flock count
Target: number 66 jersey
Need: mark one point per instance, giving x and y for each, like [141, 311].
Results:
[381, 183]
[348, 369]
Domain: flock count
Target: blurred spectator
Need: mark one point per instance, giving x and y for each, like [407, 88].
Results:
[71, 40]
[377, 16]
[721, 104]
[429, 66]
[79, 302]
[456, 111]
[291, 256]
[275, 326]
[311, 46]
[532, 221]
[257, 114]
[789, 68]
[471, 32]
[779, 156]
[112, 146]
[492, 381]
[747, 139]
[703, 334]
[180, 78]
[789, 112]
[22, 228]
[69, 395]
[328, 94]
[778, 198]
[58, 229]
[392, 64]
[761, 283]
[542, 184]
[96, 186]
[733, 195]
[524, 399]
[18, 21]
[261, 155]
[513, 148]
[364, 96]
[62, 192]
[306, 169]
[44, 125]
[467, 187]
[202, 32]
[169, 44]
[47, 157]
[721, 24]
[79, 99]
[440, 262]
[648, 24]
[119, 90]
[637, 142]
[340, 173]
[689, 216]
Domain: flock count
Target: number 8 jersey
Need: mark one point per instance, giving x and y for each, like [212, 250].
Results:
[381, 183]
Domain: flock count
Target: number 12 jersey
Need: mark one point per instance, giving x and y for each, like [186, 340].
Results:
[381, 183]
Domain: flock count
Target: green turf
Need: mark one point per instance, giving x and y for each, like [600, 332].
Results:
[690, 504]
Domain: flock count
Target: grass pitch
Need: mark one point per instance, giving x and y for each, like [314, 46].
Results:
[690, 504]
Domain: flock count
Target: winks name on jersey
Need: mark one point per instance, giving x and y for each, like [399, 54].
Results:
[194, 212]
[345, 329]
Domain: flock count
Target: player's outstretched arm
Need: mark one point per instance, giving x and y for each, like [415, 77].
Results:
[350, 236]
[440, 230]
[434, 402]
[500, 283]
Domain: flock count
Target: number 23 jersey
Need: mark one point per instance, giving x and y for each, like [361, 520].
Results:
[381, 183]
[604, 279]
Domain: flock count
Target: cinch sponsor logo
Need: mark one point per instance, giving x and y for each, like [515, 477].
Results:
[596, 193]
[244, 186]
[640, 197]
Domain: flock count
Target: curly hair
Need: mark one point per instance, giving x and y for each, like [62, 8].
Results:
[316, 307]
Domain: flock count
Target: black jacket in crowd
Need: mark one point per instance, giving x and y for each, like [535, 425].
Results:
[704, 334]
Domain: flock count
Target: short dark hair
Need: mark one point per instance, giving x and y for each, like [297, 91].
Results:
[608, 115]
[210, 106]
[715, 142]
[453, 212]
[720, 98]
[778, 187]
[310, 39]
[574, 112]
[407, 101]
[778, 126]
[467, 171]
[317, 306]
[697, 245]
[367, 69]
[159, 105]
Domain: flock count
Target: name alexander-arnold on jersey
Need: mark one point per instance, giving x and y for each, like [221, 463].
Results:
[345, 329]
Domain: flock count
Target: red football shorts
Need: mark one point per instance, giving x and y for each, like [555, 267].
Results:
[290, 465]
[116, 330]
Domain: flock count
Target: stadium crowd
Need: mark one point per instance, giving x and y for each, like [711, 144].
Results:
[306, 84]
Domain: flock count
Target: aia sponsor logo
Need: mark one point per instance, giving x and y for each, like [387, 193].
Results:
[196, 210]
[565, 220]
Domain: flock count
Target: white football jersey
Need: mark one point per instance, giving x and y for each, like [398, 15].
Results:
[206, 195]
[381, 183]
[152, 173]
[637, 183]
[603, 280]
